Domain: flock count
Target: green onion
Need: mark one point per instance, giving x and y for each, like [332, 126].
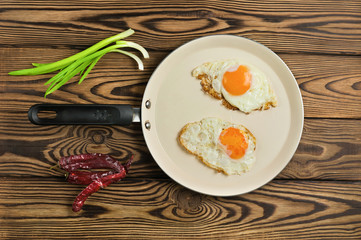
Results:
[83, 62]
[84, 74]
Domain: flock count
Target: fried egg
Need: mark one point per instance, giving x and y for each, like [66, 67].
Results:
[241, 86]
[221, 145]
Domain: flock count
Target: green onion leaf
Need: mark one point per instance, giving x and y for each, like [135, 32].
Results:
[38, 64]
[65, 79]
[89, 69]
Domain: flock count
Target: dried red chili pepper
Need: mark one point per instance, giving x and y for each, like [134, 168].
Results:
[89, 161]
[95, 179]
[94, 187]
[86, 177]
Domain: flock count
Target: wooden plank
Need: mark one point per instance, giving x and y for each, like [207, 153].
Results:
[325, 85]
[326, 147]
[40, 208]
[331, 27]
[329, 149]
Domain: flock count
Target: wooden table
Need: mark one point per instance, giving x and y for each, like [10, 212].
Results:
[318, 195]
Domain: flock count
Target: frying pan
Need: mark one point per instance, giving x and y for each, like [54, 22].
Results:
[173, 98]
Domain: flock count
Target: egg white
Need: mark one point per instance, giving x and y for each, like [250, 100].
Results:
[202, 139]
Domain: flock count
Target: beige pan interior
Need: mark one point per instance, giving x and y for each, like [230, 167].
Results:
[177, 99]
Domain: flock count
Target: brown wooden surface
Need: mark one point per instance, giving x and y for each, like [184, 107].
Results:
[316, 196]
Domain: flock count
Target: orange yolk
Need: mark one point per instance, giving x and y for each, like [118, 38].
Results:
[234, 142]
[237, 82]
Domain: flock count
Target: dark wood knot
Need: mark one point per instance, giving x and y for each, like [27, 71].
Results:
[188, 200]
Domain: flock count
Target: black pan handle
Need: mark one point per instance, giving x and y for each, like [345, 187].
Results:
[81, 114]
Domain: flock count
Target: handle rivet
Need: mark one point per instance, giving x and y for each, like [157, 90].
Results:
[147, 125]
[147, 104]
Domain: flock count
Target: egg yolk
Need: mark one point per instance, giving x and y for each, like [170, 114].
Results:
[237, 82]
[234, 142]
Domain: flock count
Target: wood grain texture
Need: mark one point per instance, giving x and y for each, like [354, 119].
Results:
[325, 84]
[329, 150]
[317, 196]
[331, 27]
[330, 85]
[41, 208]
